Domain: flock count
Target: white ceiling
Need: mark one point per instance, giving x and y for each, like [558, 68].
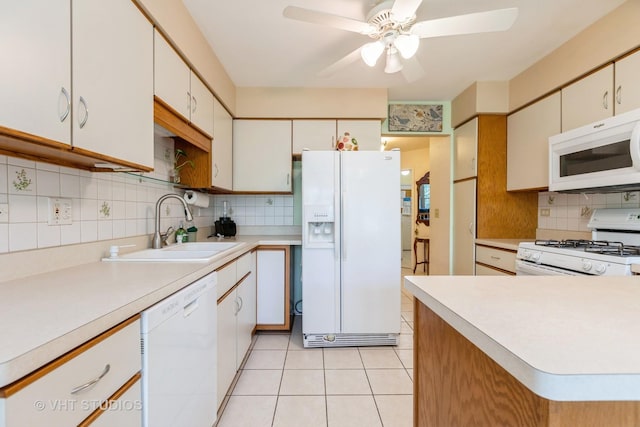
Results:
[260, 48]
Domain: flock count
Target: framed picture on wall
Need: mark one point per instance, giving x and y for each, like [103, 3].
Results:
[415, 117]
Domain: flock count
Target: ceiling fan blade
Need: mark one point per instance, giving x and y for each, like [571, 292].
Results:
[322, 18]
[412, 70]
[403, 10]
[481, 22]
[345, 61]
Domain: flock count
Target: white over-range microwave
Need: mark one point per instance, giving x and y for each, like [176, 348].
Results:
[600, 157]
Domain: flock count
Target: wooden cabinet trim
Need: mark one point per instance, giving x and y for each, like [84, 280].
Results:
[44, 370]
[233, 288]
[105, 406]
[493, 267]
[287, 288]
[169, 119]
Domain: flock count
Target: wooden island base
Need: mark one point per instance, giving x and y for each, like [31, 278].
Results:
[456, 384]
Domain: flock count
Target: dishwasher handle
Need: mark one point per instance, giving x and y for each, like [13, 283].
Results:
[190, 308]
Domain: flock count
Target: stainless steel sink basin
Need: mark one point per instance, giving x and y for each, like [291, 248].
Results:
[185, 252]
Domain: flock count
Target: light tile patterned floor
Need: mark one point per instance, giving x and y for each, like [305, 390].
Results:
[283, 384]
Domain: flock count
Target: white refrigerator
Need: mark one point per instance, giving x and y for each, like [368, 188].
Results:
[351, 248]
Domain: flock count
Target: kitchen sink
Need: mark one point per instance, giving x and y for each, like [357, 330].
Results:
[184, 252]
[202, 246]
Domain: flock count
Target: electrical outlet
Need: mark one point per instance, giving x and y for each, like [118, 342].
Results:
[436, 213]
[4, 212]
[545, 212]
[60, 211]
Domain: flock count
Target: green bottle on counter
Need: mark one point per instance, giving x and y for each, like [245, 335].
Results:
[181, 234]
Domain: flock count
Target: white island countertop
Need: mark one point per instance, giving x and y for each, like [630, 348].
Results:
[564, 338]
[46, 315]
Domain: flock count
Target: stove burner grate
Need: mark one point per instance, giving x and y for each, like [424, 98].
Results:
[593, 246]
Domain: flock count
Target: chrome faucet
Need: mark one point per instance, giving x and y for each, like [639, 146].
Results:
[157, 237]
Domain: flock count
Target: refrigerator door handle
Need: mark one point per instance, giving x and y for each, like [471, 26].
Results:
[343, 243]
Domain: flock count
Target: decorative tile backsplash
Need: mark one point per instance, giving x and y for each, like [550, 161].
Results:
[560, 211]
[257, 209]
[105, 205]
[113, 205]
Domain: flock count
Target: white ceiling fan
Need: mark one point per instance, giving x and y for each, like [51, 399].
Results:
[392, 26]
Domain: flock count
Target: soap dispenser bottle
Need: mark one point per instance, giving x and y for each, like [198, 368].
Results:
[181, 234]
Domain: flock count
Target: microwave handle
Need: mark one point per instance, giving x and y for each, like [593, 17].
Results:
[634, 147]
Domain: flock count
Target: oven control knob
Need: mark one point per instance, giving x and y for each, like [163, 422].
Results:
[535, 256]
[586, 265]
[526, 254]
[601, 268]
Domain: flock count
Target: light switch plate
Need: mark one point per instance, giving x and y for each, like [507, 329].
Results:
[4, 212]
[60, 211]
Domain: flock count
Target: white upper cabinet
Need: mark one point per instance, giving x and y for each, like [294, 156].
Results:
[222, 148]
[262, 155]
[36, 70]
[465, 143]
[171, 77]
[314, 135]
[180, 88]
[113, 80]
[588, 100]
[368, 133]
[627, 92]
[201, 105]
[528, 132]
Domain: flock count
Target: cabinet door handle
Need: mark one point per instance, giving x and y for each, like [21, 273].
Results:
[92, 382]
[64, 115]
[470, 228]
[619, 95]
[495, 257]
[241, 303]
[605, 100]
[216, 170]
[194, 104]
[83, 122]
[288, 176]
[188, 101]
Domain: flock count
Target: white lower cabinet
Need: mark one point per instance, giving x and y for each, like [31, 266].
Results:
[125, 411]
[273, 288]
[464, 227]
[236, 317]
[69, 389]
[492, 261]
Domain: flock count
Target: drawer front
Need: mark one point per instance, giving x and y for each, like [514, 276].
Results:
[505, 260]
[243, 265]
[483, 270]
[123, 412]
[49, 401]
[226, 278]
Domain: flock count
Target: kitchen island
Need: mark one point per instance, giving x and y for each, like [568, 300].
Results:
[526, 351]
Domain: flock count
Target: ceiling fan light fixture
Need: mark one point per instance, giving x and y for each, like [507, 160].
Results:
[371, 52]
[407, 44]
[393, 61]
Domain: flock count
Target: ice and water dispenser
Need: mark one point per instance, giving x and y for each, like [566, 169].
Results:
[319, 226]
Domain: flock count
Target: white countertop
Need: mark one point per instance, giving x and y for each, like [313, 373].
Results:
[46, 315]
[565, 338]
[509, 244]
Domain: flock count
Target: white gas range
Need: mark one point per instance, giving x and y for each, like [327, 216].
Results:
[614, 247]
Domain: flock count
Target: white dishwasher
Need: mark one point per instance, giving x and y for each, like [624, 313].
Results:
[178, 347]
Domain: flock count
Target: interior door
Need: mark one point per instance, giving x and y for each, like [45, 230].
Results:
[371, 246]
